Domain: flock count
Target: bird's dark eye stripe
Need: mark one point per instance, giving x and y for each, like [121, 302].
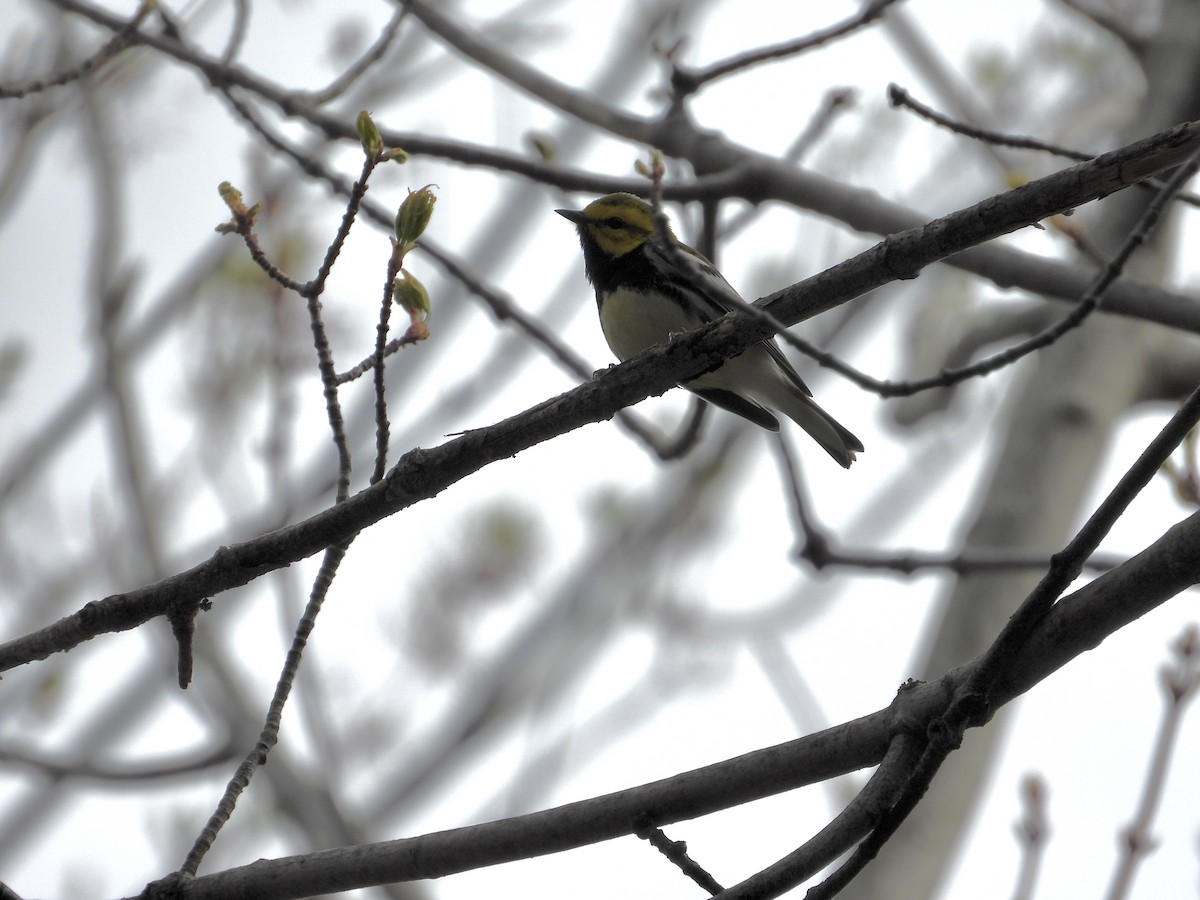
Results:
[614, 222]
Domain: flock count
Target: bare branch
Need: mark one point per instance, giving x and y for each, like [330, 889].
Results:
[676, 852]
[899, 97]
[269, 735]
[1032, 831]
[817, 549]
[685, 81]
[133, 772]
[111, 48]
[362, 65]
[578, 104]
[1180, 685]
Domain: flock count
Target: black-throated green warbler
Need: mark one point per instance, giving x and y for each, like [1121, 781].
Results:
[647, 292]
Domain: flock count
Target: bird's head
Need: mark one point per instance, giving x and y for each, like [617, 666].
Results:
[615, 225]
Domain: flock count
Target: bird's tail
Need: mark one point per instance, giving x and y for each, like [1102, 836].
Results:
[827, 431]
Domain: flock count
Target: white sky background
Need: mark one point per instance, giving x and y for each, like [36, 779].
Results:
[1098, 715]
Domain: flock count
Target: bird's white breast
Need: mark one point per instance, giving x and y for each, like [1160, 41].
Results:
[633, 321]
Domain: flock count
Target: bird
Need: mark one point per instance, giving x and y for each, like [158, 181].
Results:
[647, 292]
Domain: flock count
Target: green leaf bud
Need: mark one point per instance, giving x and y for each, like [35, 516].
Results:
[414, 214]
[368, 135]
[411, 295]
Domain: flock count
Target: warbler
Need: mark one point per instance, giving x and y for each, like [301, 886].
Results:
[646, 292]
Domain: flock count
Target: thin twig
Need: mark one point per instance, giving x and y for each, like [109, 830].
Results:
[269, 735]
[1110, 23]
[312, 292]
[1180, 684]
[360, 66]
[121, 40]
[688, 81]
[834, 102]
[382, 427]
[1185, 475]
[816, 547]
[676, 852]
[237, 31]
[126, 772]
[899, 97]
[1032, 833]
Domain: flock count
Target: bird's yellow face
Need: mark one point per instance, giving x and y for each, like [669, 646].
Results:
[618, 223]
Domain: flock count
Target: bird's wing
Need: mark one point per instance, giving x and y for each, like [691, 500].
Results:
[736, 403]
[713, 297]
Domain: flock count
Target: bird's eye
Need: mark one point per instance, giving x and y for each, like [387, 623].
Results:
[614, 222]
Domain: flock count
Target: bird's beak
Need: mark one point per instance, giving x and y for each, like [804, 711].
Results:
[575, 215]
